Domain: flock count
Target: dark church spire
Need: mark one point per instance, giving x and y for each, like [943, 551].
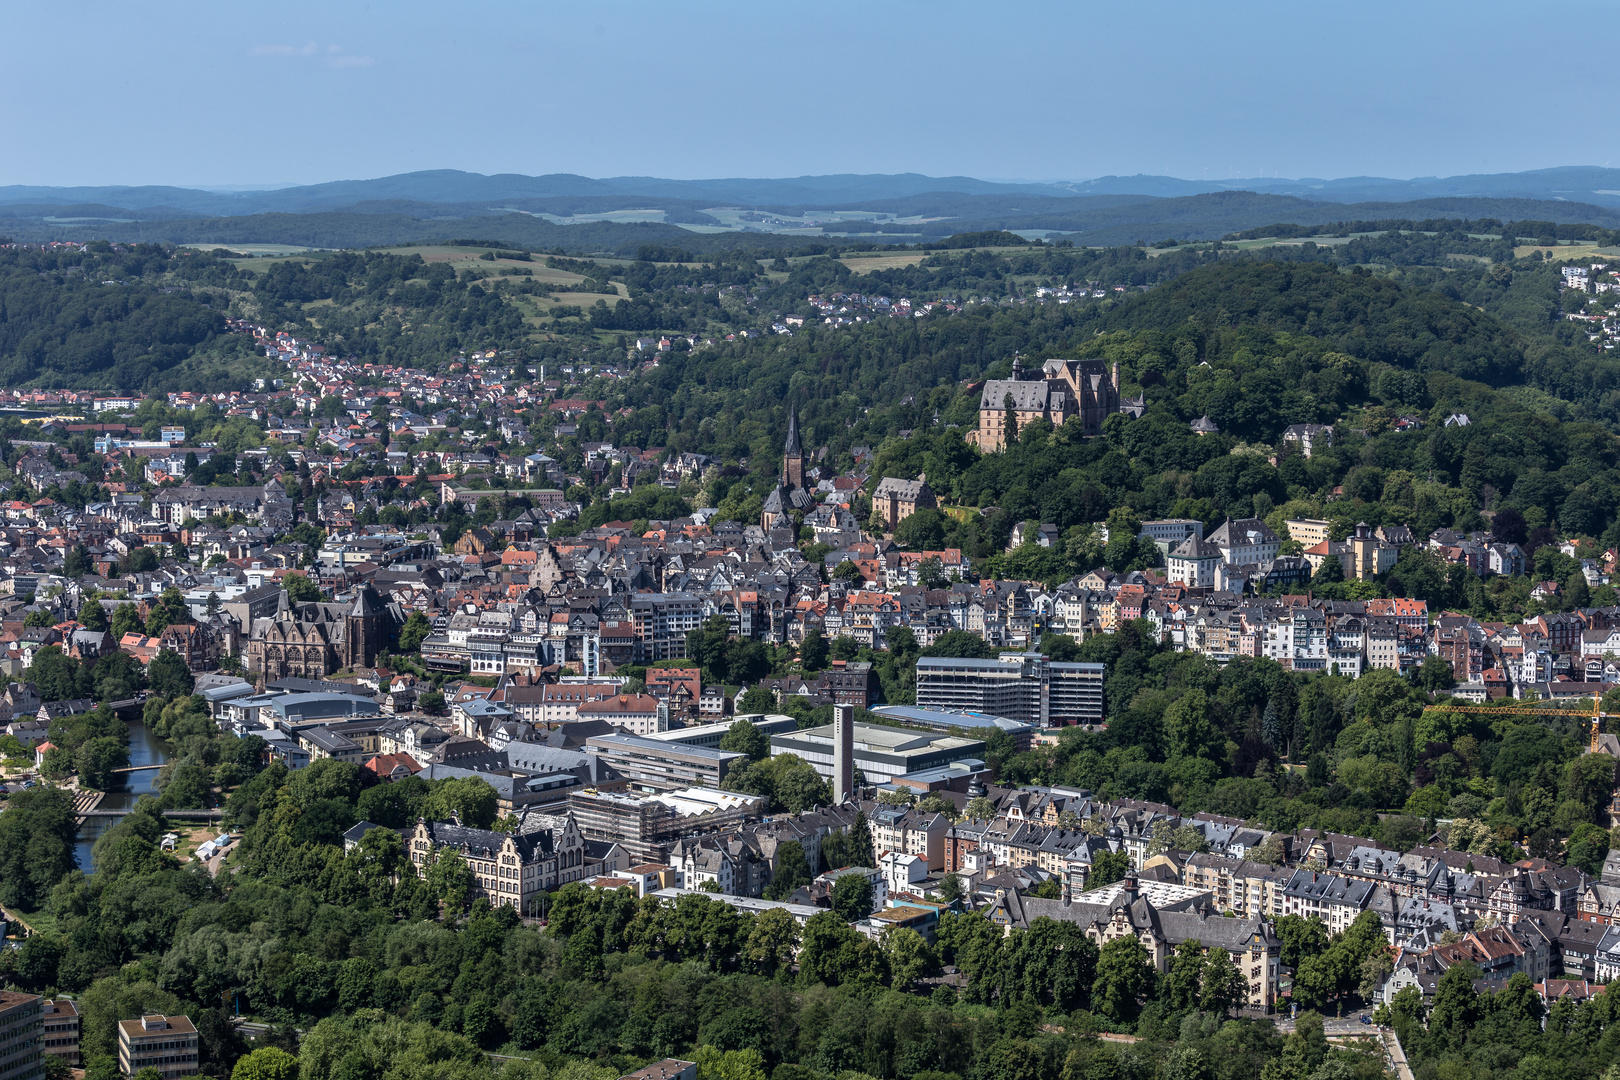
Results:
[793, 455]
[792, 446]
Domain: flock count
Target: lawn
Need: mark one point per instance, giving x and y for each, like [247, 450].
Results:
[1562, 251]
[865, 265]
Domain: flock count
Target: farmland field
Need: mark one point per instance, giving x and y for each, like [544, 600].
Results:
[883, 262]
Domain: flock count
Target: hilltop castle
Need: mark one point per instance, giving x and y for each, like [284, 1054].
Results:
[1061, 389]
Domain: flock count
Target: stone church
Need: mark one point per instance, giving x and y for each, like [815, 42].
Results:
[789, 496]
[312, 640]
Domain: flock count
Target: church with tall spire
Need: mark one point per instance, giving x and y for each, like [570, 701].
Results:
[789, 495]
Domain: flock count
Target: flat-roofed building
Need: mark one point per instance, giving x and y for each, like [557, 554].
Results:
[1074, 693]
[711, 734]
[650, 765]
[902, 916]
[645, 879]
[165, 1043]
[751, 905]
[515, 790]
[1169, 532]
[21, 1033]
[1026, 687]
[882, 754]
[668, 1069]
[61, 1029]
[1309, 532]
[965, 721]
[646, 825]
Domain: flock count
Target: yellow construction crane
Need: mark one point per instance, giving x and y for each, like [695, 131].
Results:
[1596, 715]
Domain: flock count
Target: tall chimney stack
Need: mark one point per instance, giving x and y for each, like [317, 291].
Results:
[843, 752]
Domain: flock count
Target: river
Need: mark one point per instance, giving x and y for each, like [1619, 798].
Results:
[144, 749]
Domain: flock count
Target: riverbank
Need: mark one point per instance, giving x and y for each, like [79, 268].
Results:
[145, 749]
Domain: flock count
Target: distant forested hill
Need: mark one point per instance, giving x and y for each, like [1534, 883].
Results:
[447, 205]
[1373, 318]
[352, 229]
[101, 320]
[1207, 217]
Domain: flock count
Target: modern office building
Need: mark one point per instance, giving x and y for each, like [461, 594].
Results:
[21, 1032]
[1026, 687]
[653, 766]
[165, 1043]
[881, 753]
[645, 825]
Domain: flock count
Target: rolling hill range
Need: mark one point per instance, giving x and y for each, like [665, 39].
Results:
[617, 215]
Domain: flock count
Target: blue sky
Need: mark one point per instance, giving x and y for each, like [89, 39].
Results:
[118, 92]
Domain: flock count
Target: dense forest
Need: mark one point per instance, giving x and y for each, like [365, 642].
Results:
[103, 319]
[391, 307]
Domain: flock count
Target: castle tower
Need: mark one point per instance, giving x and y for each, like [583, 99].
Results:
[793, 456]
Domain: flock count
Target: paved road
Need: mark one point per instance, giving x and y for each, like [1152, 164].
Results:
[1349, 1024]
